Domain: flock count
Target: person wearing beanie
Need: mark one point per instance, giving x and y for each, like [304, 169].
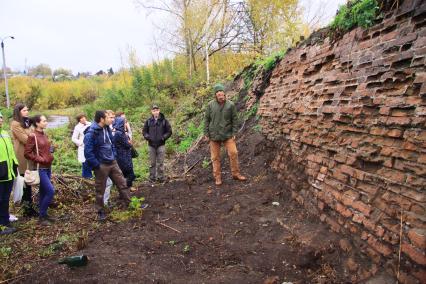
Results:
[221, 127]
[8, 172]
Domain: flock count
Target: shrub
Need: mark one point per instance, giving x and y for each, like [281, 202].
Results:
[360, 13]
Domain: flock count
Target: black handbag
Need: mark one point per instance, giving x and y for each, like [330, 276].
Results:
[135, 153]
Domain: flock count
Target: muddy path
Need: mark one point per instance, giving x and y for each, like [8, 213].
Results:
[195, 232]
[201, 234]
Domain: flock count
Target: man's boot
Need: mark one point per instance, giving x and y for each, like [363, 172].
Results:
[239, 177]
[218, 180]
[235, 168]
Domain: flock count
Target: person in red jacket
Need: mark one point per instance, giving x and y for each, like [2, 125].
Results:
[38, 150]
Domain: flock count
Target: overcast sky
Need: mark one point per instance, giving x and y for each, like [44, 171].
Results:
[86, 35]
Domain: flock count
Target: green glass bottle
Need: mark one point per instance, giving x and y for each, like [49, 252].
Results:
[74, 261]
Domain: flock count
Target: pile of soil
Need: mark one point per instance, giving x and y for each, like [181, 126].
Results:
[195, 232]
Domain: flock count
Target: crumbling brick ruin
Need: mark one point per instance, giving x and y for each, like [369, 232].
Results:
[349, 119]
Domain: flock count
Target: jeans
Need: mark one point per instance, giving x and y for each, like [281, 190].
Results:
[5, 190]
[156, 157]
[86, 170]
[46, 191]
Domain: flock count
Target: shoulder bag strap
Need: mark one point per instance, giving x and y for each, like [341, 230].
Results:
[35, 137]
[38, 165]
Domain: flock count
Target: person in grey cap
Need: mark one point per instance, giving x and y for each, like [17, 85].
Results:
[156, 131]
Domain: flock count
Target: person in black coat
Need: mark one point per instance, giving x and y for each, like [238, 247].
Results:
[156, 131]
[123, 147]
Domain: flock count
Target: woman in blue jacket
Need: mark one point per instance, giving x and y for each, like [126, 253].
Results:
[123, 147]
[8, 172]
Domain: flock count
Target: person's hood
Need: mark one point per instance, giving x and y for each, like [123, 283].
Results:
[95, 127]
[119, 124]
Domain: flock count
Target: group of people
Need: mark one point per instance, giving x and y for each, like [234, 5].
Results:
[105, 150]
[28, 147]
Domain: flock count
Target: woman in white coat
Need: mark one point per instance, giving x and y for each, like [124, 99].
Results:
[77, 139]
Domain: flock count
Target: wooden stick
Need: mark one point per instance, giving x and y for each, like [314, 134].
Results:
[399, 252]
[171, 228]
[191, 167]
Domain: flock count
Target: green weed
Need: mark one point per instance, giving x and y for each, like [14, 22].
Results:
[186, 249]
[358, 13]
[5, 251]
[206, 163]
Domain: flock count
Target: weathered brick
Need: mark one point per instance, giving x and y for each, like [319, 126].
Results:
[416, 255]
[379, 246]
[358, 218]
[418, 237]
[333, 224]
[368, 188]
[362, 207]
[343, 210]
[339, 175]
[420, 274]
[379, 231]
[352, 172]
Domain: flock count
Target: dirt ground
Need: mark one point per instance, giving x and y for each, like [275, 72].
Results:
[195, 232]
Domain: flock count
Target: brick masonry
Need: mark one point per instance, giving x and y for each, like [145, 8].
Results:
[349, 120]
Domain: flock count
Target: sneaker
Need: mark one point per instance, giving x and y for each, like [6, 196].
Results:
[51, 219]
[43, 221]
[101, 216]
[8, 231]
[12, 218]
[144, 206]
[218, 181]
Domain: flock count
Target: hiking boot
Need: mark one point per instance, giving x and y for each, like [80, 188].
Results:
[8, 231]
[218, 181]
[51, 219]
[53, 204]
[29, 212]
[144, 206]
[101, 216]
[239, 177]
[43, 221]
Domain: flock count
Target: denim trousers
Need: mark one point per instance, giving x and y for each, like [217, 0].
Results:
[46, 191]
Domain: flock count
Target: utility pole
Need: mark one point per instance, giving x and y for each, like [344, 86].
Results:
[4, 70]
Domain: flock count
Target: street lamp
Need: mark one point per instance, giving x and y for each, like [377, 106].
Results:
[4, 70]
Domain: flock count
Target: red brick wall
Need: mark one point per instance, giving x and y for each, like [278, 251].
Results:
[349, 119]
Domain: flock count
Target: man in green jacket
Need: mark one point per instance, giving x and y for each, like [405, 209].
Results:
[8, 172]
[220, 127]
